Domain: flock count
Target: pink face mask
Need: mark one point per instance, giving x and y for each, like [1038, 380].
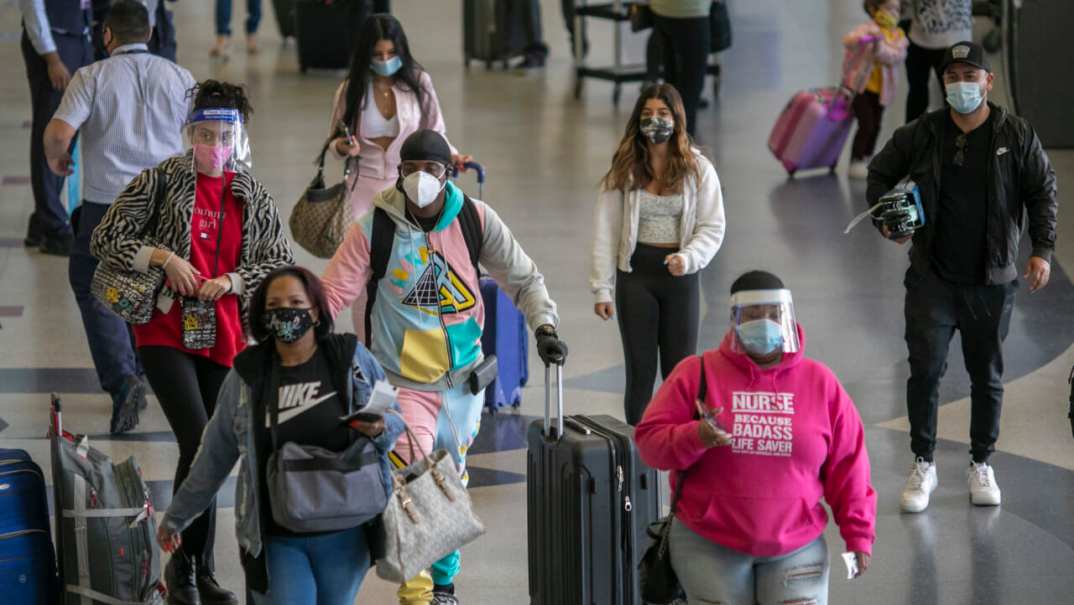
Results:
[211, 158]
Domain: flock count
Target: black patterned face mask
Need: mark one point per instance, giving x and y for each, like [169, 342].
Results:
[288, 324]
[657, 130]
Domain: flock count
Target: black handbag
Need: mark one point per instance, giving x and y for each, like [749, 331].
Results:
[720, 24]
[659, 583]
[199, 316]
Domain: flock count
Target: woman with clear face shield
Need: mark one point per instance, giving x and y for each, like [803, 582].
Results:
[756, 434]
[214, 231]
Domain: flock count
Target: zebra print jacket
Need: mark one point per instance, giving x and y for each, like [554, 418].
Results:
[118, 240]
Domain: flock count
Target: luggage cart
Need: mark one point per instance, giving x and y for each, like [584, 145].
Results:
[618, 12]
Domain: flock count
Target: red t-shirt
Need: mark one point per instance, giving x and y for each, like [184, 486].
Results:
[165, 329]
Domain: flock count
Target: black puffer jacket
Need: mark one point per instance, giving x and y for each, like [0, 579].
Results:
[1021, 185]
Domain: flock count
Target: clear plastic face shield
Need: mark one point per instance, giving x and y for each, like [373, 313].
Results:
[764, 322]
[219, 141]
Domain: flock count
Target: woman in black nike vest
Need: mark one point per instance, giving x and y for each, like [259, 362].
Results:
[308, 379]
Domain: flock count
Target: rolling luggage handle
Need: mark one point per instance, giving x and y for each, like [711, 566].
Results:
[548, 401]
[479, 170]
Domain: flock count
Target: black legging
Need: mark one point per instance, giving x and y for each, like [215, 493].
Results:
[686, 47]
[187, 386]
[658, 315]
[920, 62]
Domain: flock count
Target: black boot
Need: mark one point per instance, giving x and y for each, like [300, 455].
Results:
[179, 577]
[210, 590]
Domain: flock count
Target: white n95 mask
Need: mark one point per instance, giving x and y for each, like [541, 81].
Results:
[422, 188]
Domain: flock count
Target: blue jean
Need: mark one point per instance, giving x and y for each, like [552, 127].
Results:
[223, 16]
[315, 570]
[108, 335]
[714, 575]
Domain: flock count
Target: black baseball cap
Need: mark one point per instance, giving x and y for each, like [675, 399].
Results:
[426, 145]
[966, 52]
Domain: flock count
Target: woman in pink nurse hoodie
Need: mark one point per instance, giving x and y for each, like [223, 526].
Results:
[774, 434]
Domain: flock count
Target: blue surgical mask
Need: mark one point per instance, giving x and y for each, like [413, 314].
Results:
[386, 68]
[760, 336]
[964, 97]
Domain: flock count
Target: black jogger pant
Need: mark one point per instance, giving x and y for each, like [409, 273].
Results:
[187, 386]
[658, 320]
[920, 62]
[869, 112]
[687, 44]
[982, 314]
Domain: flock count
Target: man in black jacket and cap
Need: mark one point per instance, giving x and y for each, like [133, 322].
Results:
[982, 174]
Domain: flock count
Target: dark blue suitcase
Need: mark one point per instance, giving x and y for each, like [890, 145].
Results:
[27, 561]
[505, 337]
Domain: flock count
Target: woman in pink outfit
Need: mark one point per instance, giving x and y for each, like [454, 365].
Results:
[386, 97]
[873, 50]
[754, 451]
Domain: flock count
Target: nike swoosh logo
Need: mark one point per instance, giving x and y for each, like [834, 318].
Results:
[1001, 151]
[290, 413]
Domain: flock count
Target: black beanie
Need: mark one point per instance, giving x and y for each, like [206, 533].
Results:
[426, 145]
[757, 280]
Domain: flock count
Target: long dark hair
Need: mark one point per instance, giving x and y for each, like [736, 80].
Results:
[314, 291]
[378, 27]
[630, 164]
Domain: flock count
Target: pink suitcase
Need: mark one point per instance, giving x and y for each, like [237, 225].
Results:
[811, 130]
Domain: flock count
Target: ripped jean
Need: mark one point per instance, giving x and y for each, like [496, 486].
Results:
[714, 575]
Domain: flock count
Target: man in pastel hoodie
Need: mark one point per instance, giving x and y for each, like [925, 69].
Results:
[776, 432]
[425, 315]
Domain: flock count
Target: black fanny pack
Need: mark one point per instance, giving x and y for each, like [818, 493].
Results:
[483, 374]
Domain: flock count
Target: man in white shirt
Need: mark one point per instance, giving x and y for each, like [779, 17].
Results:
[130, 110]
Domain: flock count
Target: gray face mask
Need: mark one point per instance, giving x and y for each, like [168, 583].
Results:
[657, 130]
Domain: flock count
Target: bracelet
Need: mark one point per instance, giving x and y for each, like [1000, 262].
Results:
[164, 265]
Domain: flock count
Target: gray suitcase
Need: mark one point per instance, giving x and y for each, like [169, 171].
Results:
[105, 530]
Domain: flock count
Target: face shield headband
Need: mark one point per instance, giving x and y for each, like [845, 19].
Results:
[219, 140]
[764, 321]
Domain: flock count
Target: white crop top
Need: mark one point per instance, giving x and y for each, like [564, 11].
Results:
[659, 218]
[374, 124]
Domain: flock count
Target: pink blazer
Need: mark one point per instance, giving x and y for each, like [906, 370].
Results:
[859, 59]
[381, 164]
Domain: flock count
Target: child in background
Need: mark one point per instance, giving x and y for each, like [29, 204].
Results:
[872, 48]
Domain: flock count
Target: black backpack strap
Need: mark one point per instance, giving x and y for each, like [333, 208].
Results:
[380, 250]
[472, 232]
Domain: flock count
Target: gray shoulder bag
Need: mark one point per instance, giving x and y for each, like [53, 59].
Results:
[312, 489]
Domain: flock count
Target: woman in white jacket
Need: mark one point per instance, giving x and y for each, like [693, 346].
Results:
[659, 220]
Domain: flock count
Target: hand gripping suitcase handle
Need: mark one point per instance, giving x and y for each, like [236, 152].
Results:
[548, 401]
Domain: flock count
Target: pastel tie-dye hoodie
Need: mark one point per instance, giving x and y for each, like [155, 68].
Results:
[428, 316]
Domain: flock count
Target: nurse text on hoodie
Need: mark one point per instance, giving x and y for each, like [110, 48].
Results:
[797, 437]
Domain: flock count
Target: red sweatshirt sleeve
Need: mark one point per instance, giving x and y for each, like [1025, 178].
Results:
[348, 272]
[848, 487]
[667, 435]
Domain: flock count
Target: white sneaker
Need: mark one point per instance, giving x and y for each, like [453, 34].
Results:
[919, 485]
[983, 488]
[858, 170]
